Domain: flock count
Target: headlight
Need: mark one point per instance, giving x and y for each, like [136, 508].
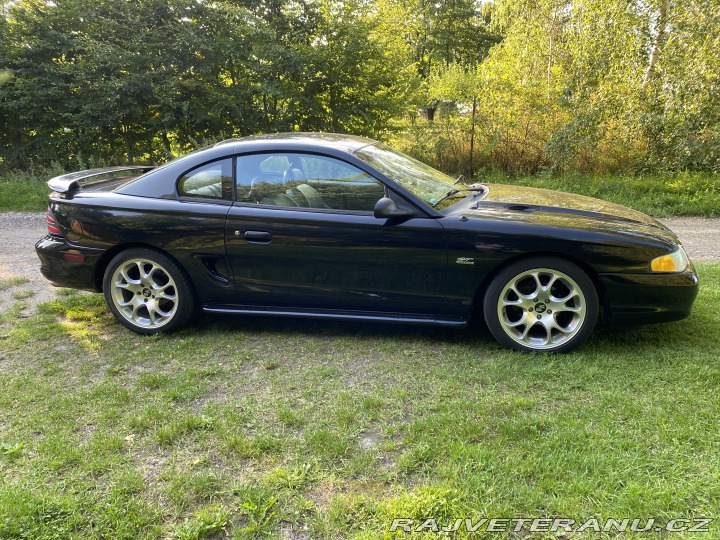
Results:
[677, 261]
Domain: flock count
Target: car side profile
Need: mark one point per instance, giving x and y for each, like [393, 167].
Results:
[341, 227]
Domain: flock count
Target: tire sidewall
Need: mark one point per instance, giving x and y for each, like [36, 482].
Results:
[508, 273]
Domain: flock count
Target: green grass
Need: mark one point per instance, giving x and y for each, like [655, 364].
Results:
[687, 194]
[239, 427]
[9, 283]
[25, 191]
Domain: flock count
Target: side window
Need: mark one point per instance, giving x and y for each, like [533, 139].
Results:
[211, 181]
[305, 181]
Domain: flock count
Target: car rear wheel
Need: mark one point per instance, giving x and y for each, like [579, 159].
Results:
[147, 291]
[541, 304]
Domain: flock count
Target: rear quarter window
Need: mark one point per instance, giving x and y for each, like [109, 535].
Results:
[209, 181]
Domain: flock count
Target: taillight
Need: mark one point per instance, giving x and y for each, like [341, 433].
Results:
[51, 225]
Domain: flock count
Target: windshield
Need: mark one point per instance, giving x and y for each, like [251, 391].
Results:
[420, 179]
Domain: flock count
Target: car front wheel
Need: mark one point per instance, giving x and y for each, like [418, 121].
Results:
[541, 304]
[147, 292]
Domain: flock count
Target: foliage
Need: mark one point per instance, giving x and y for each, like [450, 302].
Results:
[554, 86]
[589, 86]
[137, 81]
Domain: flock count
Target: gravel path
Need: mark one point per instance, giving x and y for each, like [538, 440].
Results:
[699, 236]
[21, 230]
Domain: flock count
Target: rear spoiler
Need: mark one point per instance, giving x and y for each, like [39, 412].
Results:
[71, 182]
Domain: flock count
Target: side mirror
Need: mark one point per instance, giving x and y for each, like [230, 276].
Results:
[386, 208]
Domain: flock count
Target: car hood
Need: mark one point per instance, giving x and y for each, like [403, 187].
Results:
[559, 209]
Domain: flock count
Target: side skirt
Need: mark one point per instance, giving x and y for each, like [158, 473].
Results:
[400, 318]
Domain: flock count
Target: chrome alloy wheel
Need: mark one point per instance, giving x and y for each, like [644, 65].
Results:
[541, 308]
[144, 293]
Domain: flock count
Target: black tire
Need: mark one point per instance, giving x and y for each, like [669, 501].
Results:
[541, 304]
[148, 292]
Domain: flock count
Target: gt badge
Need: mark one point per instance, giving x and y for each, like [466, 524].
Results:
[465, 260]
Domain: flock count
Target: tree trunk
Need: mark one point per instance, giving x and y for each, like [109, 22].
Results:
[657, 42]
[472, 138]
[431, 109]
[166, 142]
[128, 145]
[550, 59]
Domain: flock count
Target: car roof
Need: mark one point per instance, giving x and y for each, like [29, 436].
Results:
[339, 141]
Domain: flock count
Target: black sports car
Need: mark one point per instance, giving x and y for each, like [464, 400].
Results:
[342, 227]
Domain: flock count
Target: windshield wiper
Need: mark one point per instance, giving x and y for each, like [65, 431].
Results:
[452, 192]
[460, 179]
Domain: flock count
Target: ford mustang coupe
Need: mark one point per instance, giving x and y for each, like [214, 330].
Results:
[342, 227]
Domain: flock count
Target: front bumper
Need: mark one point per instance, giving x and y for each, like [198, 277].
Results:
[649, 298]
[65, 265]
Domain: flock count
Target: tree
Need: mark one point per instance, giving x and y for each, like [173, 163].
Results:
[138, 81]
[521, 85]
[438, 35]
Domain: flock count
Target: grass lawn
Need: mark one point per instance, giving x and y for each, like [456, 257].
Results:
[245, 427]
[25, 192]
[690, 194]
[687, 194]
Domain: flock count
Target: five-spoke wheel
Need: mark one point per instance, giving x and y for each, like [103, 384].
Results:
[541, 304]
[147, 292]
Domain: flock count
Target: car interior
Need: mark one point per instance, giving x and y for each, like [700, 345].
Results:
[286, 180]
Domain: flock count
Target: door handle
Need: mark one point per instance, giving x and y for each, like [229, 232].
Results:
[257, 237]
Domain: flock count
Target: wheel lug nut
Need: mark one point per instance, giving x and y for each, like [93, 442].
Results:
[547, 301]
[539, 316]
[535, 300]
[530, 309]
[549, 311]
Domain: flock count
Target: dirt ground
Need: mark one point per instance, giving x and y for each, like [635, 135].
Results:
[21, 230]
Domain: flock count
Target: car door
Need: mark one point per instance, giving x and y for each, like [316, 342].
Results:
[302, 235]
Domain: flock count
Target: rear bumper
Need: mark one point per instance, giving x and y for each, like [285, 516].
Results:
[649, 298]
[65, 265]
